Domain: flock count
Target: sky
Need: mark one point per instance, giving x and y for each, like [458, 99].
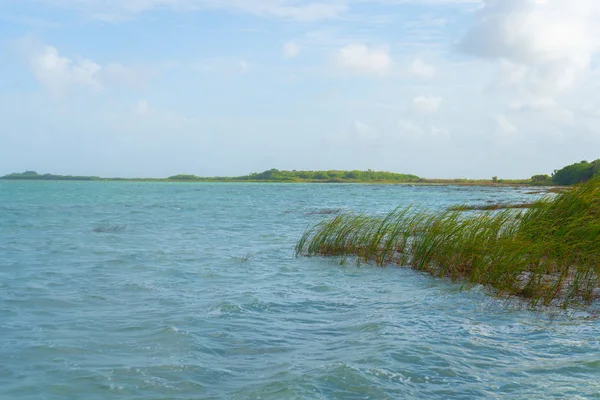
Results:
[436, 88]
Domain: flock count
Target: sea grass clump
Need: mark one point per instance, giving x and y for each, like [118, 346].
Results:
[548, 254]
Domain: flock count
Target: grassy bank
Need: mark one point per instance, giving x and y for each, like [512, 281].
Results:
[548, 254]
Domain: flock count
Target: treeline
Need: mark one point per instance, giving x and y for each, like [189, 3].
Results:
[275, 175]
[32, 175]
[272, 175]
[576, 173]
[329, 176]
[569, 175]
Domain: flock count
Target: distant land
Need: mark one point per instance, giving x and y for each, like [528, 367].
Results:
[272, 175]
[275, 175]
[569, 175]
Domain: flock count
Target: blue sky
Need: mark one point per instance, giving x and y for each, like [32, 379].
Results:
[438, 88]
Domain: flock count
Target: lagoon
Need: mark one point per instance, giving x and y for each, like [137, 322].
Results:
[191, 291]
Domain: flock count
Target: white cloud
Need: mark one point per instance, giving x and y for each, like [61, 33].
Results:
[527, 31]
[589, 110]
[60, 74]
[363, 131]
[421, 69]
[561, 116]
[512, 74]
[537, 80]
[426, 105]
[364, 59]
[290, 49]
[439, 132]
[534, 104]
[409, 127]
[546, 45]
[503, 124]
[545, 108]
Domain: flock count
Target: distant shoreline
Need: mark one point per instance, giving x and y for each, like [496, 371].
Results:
[569, 175]
[276, 176]
[158, 180]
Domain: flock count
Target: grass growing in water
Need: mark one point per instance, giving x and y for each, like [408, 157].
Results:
[549, 254]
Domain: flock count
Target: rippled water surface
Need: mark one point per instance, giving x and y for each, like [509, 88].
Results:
[191, 291]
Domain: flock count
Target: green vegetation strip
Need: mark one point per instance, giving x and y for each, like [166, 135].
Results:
[569, 175]
[548, 255]
[272, 175]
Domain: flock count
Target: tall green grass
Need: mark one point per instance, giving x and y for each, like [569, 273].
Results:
[549, 254]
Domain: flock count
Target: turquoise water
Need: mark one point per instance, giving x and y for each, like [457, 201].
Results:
[192, 291]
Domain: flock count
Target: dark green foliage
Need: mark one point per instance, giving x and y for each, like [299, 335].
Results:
[184, 177]
[548, 255]
[541, 180]
[329, 176]
[275, 175]
[576, 173]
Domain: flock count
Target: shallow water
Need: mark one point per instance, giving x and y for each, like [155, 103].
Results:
[192, 291]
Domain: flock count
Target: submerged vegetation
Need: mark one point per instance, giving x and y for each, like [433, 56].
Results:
[106, 228]
[549, 254]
